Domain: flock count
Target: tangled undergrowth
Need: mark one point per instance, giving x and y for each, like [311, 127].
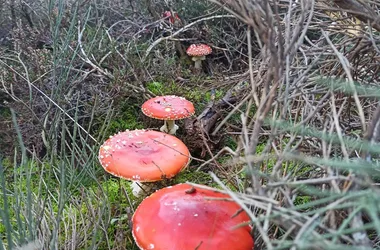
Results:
[287, 115]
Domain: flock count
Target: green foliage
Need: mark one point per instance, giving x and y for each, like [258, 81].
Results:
[4, 112]
[16, 200]
[164, 88]
[190, 175]
[156, 87]
[302, 199]
[127, 117]
[192, 8]
[230, 142]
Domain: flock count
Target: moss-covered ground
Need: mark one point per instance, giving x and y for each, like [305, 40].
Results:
[94, 191]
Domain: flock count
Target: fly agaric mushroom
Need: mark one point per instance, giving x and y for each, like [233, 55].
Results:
[181, 217]
[168, 108]
[143, 156]
[172, 18]
[198, 52]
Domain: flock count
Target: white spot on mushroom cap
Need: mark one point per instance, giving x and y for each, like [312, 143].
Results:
[136, 177]
[170, 203]
[151, 246]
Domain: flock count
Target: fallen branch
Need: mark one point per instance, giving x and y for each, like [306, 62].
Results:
[186, 27]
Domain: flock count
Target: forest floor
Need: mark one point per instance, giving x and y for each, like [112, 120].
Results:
[286, 115]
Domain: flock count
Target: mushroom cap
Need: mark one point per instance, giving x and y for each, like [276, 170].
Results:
[167, 13]
[169, 107]
[171, 18]
[143, 155]
[199, 50]
[180, 217]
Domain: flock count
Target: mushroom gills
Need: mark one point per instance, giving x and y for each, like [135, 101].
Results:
[198, 58]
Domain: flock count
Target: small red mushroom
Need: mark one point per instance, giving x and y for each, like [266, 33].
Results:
[172, 18]
[198, 52]
[143, 155]
[181, 217]
[168, 108]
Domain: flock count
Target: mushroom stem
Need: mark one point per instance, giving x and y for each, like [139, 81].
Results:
[169, 127]
[139, 189]
[198, 64]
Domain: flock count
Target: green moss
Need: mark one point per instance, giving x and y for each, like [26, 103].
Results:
[230, 142]
[127, 117]
[115, 195]
[108, 195]
[163, 87]
[120, 213]
[197, 177]
[155, 87]
[4, 112]
[7, 163]
[17, 189]
[111, 187]
[303, 199]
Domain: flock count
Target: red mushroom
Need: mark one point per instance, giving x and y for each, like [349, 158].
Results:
[181, 217]
[143, 155]
[198, 52]
[172, 18]
[168, 108]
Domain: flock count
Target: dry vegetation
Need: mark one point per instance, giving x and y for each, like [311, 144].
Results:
[287, 115]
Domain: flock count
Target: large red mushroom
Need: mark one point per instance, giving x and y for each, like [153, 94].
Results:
[168, 108]
[143, 156]
[198, 53]
[188, 218]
